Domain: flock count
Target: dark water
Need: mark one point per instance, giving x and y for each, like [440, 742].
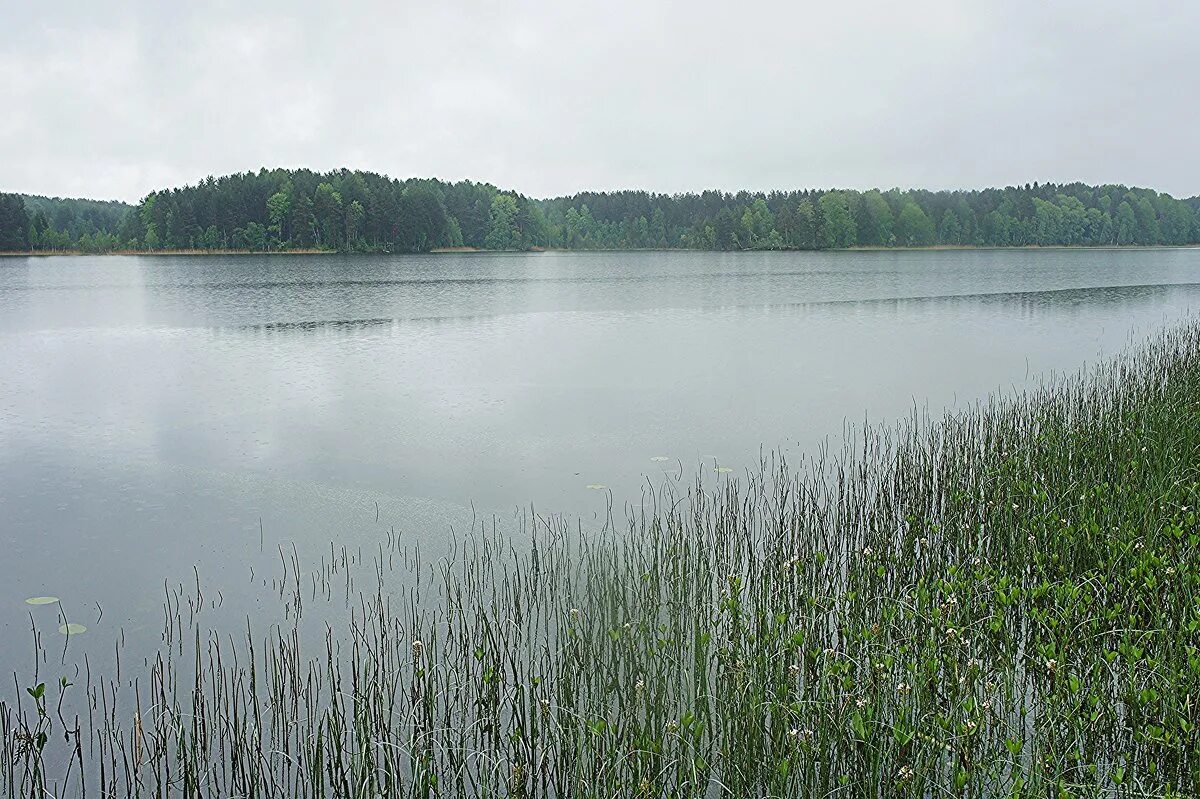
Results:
[154, 410]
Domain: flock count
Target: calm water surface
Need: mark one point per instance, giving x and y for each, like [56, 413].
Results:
[154, 409]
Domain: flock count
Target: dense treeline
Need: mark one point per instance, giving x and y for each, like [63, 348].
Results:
[1032, 215]
[355, 211]
[56, 223]
[342, 210]
[283, 210]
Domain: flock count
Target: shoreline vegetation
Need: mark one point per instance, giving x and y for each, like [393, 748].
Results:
[482, 251]
[362, 212]
[1003, 602]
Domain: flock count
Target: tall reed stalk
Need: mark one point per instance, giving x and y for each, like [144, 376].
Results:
[1000, 603]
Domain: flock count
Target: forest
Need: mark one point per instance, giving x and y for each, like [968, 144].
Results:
[355, 211]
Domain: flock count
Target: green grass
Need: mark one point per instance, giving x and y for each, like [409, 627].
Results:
[1000, 603]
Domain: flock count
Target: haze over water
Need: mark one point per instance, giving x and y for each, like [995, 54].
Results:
[154, 409]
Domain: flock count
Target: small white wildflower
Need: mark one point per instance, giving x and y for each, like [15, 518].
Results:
[866, 552]
[860, 703]
[905, 773]
[923, 541]
[1051, 665]
[672, 726]
[574, 613]
[639, 686]
[903, 688]
[417, 646]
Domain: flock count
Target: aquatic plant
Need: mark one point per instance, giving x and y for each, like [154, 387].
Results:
[1002, 602]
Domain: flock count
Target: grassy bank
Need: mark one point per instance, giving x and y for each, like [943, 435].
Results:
[1004, 602]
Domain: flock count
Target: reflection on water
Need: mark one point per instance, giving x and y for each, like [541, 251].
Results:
[155, 411]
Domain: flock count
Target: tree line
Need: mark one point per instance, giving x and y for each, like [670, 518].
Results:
[353, 211]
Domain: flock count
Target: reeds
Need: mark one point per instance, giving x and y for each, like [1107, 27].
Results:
[1003, 602]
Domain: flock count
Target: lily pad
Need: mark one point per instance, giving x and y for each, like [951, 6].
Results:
[71, 629]
[597, 486]
[41, 600]
[660, 458]
[723, 470]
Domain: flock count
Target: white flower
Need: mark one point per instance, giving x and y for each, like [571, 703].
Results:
[903, 688]
[417, 646]
[1051, 665]
[905, 773]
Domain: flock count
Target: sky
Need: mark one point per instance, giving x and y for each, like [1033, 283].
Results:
[112, 100]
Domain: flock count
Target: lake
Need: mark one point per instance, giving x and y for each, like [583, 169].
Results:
[165, 417]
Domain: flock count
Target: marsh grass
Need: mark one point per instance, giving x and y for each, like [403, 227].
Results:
[1003, 602]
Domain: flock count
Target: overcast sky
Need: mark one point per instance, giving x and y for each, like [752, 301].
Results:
[111, 100]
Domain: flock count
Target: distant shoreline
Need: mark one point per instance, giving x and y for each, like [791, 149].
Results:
[480, 251]
[43, 253]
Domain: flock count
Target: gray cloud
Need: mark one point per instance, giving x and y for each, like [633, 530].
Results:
[551, 98]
